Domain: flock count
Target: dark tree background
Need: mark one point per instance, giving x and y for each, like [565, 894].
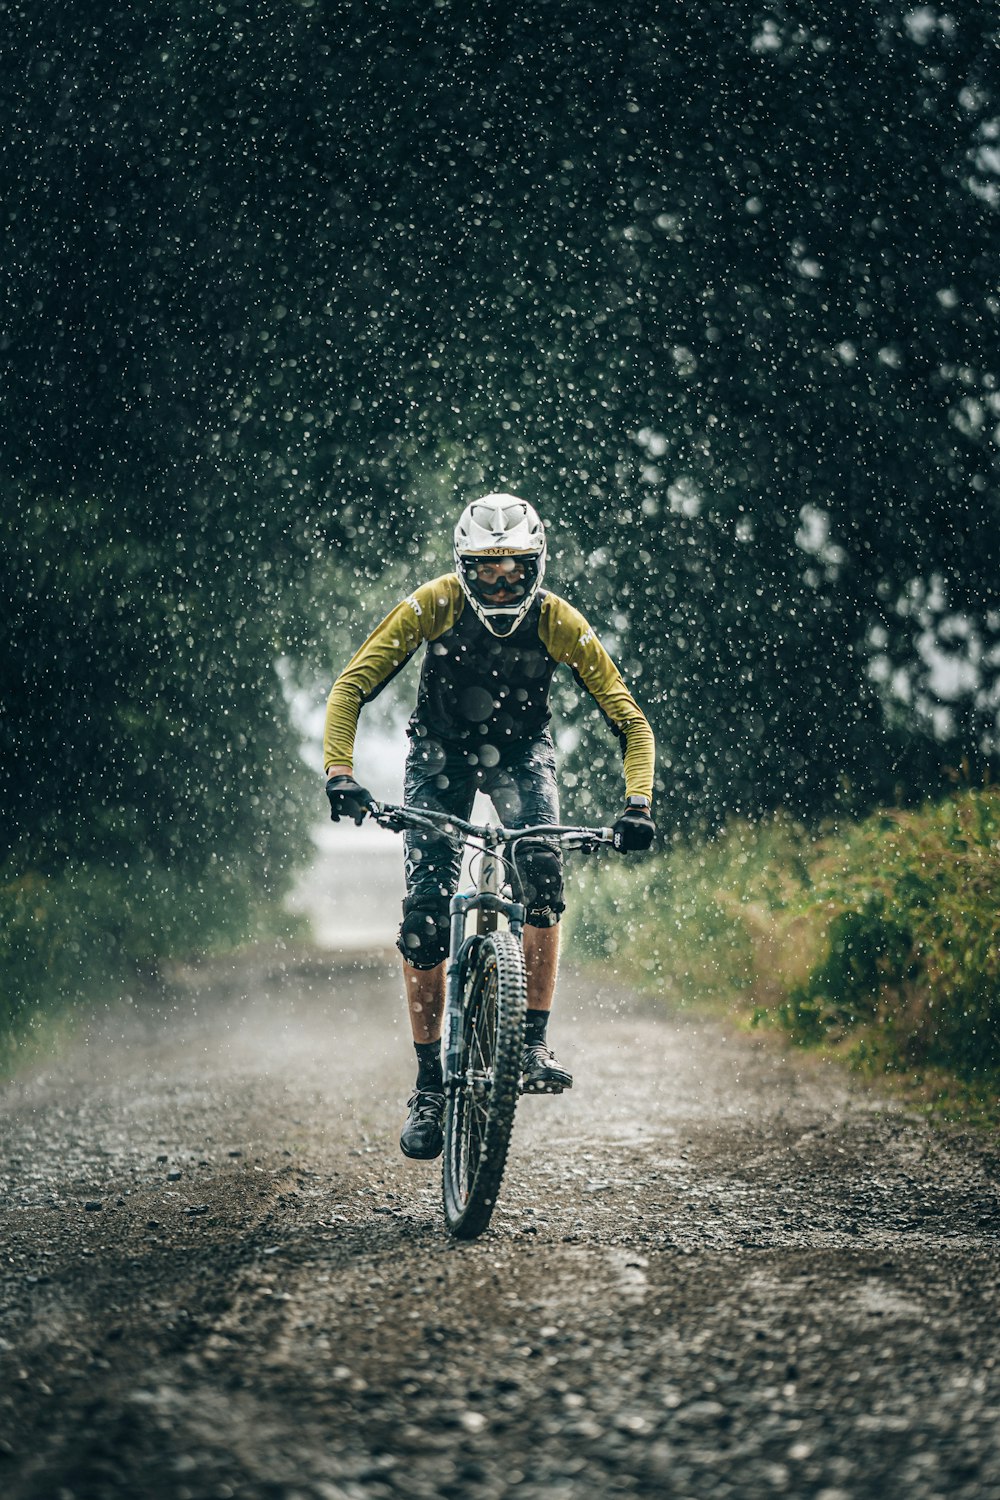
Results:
[283, 285]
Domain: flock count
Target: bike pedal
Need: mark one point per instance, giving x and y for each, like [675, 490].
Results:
[542, 1088]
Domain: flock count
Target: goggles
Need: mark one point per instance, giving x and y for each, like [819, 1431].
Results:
[512, 577]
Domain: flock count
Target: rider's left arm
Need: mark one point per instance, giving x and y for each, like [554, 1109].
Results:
[568, 638]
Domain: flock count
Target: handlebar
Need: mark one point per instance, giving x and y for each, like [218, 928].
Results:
[396, 818]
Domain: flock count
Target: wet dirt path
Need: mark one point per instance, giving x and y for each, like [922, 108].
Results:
[715, 1271]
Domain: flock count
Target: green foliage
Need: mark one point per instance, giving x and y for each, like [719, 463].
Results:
[312, 283]
[690, 920]
[282, 294]
[70, 938]
[866, 951]
[913, 938]
[144, 716]
[883, 934]
[153, 792]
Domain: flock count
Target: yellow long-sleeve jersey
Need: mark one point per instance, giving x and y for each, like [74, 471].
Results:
[483, 692]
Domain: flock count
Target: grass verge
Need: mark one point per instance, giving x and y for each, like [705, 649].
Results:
[90, 933]
[878, 941]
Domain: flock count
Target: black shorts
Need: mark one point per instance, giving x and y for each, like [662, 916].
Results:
[522, 788]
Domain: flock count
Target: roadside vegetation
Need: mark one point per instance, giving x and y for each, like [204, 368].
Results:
[93, 934]
[266, 342]
[156, 800]
[879, 939]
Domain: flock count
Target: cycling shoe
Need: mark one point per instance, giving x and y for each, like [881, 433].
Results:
[542, 1072]
[422, 1137]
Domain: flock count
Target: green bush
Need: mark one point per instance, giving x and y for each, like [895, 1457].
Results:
[692, 921]
[913, 902]
[66, 939]
[885, 932]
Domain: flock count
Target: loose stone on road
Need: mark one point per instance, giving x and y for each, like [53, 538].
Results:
[715, 1270]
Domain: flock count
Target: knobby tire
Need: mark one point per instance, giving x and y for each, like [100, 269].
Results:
[478, 1126]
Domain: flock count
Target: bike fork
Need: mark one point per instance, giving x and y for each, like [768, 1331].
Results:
[458, 911]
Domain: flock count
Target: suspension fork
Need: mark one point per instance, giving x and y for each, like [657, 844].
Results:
[486, 920]
[458, 957]
[488, 905]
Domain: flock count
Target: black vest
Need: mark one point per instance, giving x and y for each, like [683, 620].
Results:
[478, 689]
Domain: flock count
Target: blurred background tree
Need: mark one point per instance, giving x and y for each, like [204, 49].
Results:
[714, 286]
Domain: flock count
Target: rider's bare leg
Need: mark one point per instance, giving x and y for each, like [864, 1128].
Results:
[425, 999]
[541, 961]
[422, 1136]
[543, 1073]
[425, 987]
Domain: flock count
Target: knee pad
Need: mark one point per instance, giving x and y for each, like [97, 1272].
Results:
[541, 876]
[424, 931]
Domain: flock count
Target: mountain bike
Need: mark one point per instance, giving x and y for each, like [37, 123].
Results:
[485, 1004]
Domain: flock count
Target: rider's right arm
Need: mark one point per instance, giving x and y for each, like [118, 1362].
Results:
[426, 614]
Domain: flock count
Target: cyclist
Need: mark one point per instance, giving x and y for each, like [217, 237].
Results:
[493, 639]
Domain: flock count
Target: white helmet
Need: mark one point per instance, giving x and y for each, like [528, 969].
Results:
[489, 530]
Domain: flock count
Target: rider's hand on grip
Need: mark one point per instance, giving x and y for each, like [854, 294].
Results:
[347, 798]
[633, 830]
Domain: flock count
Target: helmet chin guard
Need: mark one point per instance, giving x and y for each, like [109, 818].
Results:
[489, 530]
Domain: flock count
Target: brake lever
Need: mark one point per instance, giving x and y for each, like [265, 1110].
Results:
[587, 842]
[384, 816]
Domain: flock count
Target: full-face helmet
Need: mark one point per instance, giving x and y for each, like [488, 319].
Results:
[500, 559]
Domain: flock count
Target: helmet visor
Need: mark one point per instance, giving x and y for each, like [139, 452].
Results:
[501, 582]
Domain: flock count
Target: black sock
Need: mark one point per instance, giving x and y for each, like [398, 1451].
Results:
[429, 1074]
[536, 1022]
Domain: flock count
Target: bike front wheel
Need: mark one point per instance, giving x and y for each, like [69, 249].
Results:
[483, 1097]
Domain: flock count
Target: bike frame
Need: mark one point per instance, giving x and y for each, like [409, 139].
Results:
[487, 899]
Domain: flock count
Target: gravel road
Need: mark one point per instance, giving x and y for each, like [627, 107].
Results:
[716, 1270]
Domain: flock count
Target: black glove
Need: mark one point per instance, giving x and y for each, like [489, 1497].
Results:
[348, 798]
[633, 830]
